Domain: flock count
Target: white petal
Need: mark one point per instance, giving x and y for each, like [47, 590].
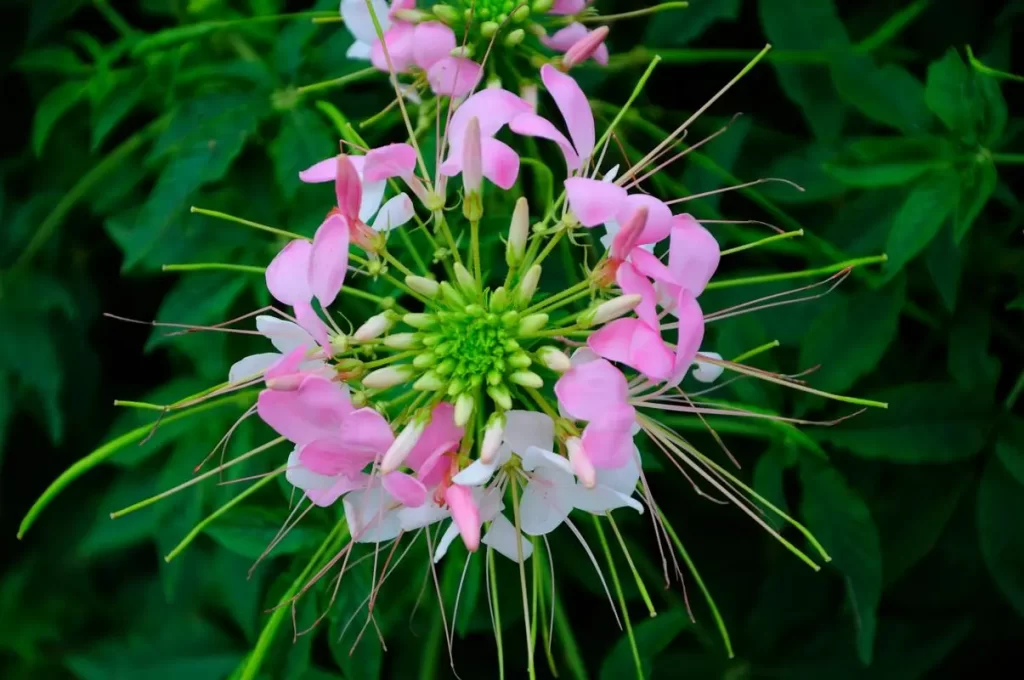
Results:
[536, 457]
[423, 516]
[450, 535]
[502, 537]
[284, 335]
[489, 503]
[476, 473]
[373, 194]
[372, 515]
[546, 500]
[622, 479]
[358, 50]
[302, 477]
[252, 366]
[396, 212]
[611, 174]
[584, 355]
[360, 23]
[524, 429]
[601, 499]
[705, 372]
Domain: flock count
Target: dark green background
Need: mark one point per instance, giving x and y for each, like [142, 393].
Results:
[903, 147]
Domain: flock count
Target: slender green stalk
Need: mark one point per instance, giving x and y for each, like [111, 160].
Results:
[172, 37]
[757, 350]
[621, 597]
[557, 296]
[647, 11]
[567, 300]
[103, 453]
[540, 597]
[988, 70]
[414, 253]
[1008, 158]
[474, 247]
[530, 668]
[354, 77]
[143, 405]
[113, 17]
[570, 649]
[632, 567]
[552, 242]
[892, 27]
[803, 273]
[637, 89]
[761, 242]
[199, 528]
[214, 266]
[497, 613]
[247, 223]
[251, 664]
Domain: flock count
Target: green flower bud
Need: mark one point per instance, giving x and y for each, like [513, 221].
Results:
[532, 324]
[464, 405]
[527, 379]
[429, 382]
[424, 360]
[501, 396]
[446, 13]
[488, 28]
[515, 37]
[420, 321]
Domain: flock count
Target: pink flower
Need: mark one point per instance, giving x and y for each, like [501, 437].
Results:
[294, 356]
[575, 109]
[494, 109]
[596, 202]
[579, 36]
[593, 390]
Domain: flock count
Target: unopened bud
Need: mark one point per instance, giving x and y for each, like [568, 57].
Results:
[463, 52]
[527, 379]
[528, 286]
[464, 409]
[339, 343]
[532, 323]
[542, 6]
[521, 13]
[585, 47]
[472, 159]
[374, 327]
[446, 13]
[420, 321]
[413, 16]
[554, 359]
[451, 295]
[706, 372]
[389, 376]
[422, 285]
[499, 299]
[429, 382]
[465, 279]
[580, 462]
[489, 28]
[501, 396]
[610, 309]
[528, 93]
[493, 434]
[518, 233]
[515, 37]
[424, 360]
[403, 444]
[520, 360]
[403, 340]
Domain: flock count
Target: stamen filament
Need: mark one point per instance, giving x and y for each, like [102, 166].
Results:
[632, 567]
[764, 241]
[621, 597]
[784, 276]
[248, 223]
[354, 77]
[214, 266]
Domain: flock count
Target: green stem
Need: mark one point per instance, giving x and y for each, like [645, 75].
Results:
[804, 273]
[251, 664]
[567, 300]
[247, 223]
[757, 350]
[354, 77]
[892, 26]
[719, 621]
[605, 18]
[214, 266]
[391, 359]
[199, 528]
[557, 296]
[414, 253]
[769, 239]
[1008, 158]
[104, 452]
[113, 17]
[632, 567]
[552, 242]
[497, 613]
[637, 89]
[474, 247]
[530, 669]
[172, 37]
[989, 71]
[570, 649]
[442, 226]
[621, 597]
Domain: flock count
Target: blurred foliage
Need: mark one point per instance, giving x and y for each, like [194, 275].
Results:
[904, 140]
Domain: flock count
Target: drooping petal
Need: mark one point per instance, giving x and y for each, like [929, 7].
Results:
[546, 500]
[693, 254]
[706, 372]
[454, 76]
[324, 171]
[311, 322]
[287, 365]
[288, 273]
[422, 516]
[609, 440]
[659, 217]
[500, 163]
[536, 457]
[327, 456]
[465, 513]
[391, 160]
[494, 108]
[348, 188]
[373, 194]
[592, 201]
[400, 41]
[623, 478]
[574, 106]
[449, 535]
[396, 212]
[302, 477]
[440, 436]
[532, 125]
[564, 38]
[359, 21]
[252, 366]
[283, 335]
[406, 489]
[366, 435]
[651, 266]
[601, 499]
[328, 262]
[314, 411]
[478, 472]
[691, 332]
[342, 485]
[633, 282]
[432, 42]
[372, 515]
[591, 388]
[502, 537]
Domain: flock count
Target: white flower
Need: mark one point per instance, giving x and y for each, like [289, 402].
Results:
[286, 337]
[360, 24]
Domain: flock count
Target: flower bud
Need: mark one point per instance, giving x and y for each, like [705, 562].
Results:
[420, 321]
[389, 376]
[465, 279]
[413, 16]
[528, 93]
[499, 299]
[489, 28]
[424, 360]
[403, 341]
[374, 327]
[585, 47]
[706, 372]
[518, 233]
[463, 52]
[464, 409]
[446, 13]
[542, 6]
[451, 295]
[403, 444]
[532, 323]
[521, 13]
[527, 379]
[422, 285]
[528, 285]
[429, 382]
[472, 171]
[608, 310]
[515, 37]
[493, 434]
[553, 359]
[580, 462]
[501, 396]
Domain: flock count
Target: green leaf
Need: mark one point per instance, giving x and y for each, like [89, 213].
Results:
[840, 519]
[968, 358]
[112, 110]
[55, 104]
[968, 103]
[944, 265]
[851, 335]
[888, 94]
[768, 481]
[1010, 448]
[798, 25]
[930, 202]
[888, 161]
[29, 353]
[58, 59]
[1000, 534]
[925, 423]
[977, 183]
[304, 139]
[248, 530]
[668, 31]
[723, 150]
[108, 535]
[652, 636]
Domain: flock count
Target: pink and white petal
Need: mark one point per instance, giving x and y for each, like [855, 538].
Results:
[450, 534]
[633, 282]
[614, 340]
[465, 514]
[567, 7]
[693, 254]
[283, 335]
[348, 187]
[328, 263]
[326, 456]
[532, 125]
[651, 266]
[546, 500]
[441, 434]
[500, 163]
[525, 429]
[706, 372]
[313, 411]
[359, 21]
[659, 217]
[287, 364]
[601, 54]
[650, 354]
[609, 440]
[594, 202]
[288, 273]
[574, 107]
[476, 473]
[372, 515]
[365, 435]
[494, 108]
[252, 366]
[324, 171]
[591, 387]
[454, 76]
[399, 40]
[373, 194]
[623, 478]
[452, 166]
[396, 212]
[391, 160]
[303, 478]
[564, 38]
[422, 516]
[311, 322]
[601, 499]
[406, 489]
[535, 458]
[432, 42]
[342, 485]
[502, 536]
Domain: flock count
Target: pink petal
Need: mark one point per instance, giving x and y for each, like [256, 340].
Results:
[329, 261]
[565, 38]
[314, 411]
[326, 497]
[454, 76]
[348, 188]
[328, 457]
[532, 125]
[634, 283]
[288, 273]
[634, 343]
[400, 41]
[366, 435]
[693, 254]
[628, 235]
[288, 364]
[385, 162]
[323, 171]
[441, 435]
[601, 55]
[574, 107]
[591, 389]
[609, 440]
[594, 202]
[465, 513]
[493, 107]
[432, 42]
[568, 7]
[407, 490]
[691, 331]
[500, 163]
[313, 324]
[649, 265]
[659, 217]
